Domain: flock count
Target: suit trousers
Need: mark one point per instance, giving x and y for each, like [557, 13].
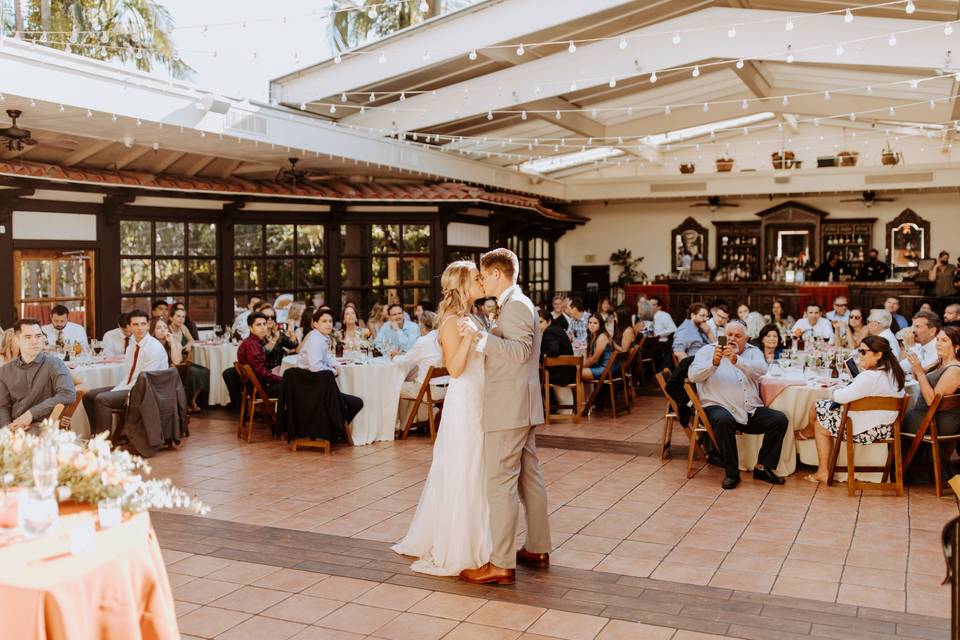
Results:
[769, 422]
[513, 477]
[99, 405]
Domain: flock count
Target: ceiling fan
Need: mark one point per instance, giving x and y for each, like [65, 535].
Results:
[868, 198]
[16, 138]
[714, 203]
[293, 177]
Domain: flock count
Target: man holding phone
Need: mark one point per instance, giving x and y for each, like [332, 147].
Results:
[728, 383]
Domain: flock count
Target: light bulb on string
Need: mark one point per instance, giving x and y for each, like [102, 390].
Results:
[333, 108]
[113, 117]
[696, 71]
[839, 50]
[653, 76]
[489, 115]
[948, 29]
[612, 83]
[536, 89]
[572, 48]
[892, 111]
[473, 54]
[848, 16]
[403, 96]
[372, 97]
[89, 113]
[523, 115]
[520, 50]
[343, 97]
[337, 59]
[557, 115]
[910, 8]
[788, 26]
[303, 106]
[739, 63]
[706, 107]
[676, 37]
[382, 57]
[744, 105]
[593, 113]
[869, 90]
[573, 86]
[932, 105]
[790, 57]
[62, 109]
[732, 32]
[892, 41]
[43, 37]
[914, 83]
[853, 116]
[786, 100]
[666, 110]
[426, 56]
[623, 43]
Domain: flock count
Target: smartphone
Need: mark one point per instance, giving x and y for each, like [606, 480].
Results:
[852, 367]
[283, 326]
[722, 341]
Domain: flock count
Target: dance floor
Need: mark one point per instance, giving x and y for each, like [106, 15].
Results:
[297, 546]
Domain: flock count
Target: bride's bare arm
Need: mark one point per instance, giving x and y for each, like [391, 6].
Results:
[455, 348]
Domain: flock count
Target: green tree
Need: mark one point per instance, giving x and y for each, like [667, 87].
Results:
[136, 31]
[360, 21]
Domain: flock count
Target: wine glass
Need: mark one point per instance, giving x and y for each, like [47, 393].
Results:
[45, 469]
[97, 347]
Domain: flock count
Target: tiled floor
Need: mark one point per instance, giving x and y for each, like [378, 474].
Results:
[616, 510]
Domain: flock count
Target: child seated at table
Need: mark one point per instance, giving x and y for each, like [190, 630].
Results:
[880, 375]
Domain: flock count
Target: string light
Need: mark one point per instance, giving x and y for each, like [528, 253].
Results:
[789, 54]
[612, 83]
[732, 32]
[623, 43]
[473, 54]
[848, 16]
[696, 71]
[839, 49]
[572, 48]
[739, 63]
[744, 105]
[892, 41]
[788, 26]
[372, 12]
[520, 50]
[337, 59]
[653, 77]
[676, 37]
[424, 7]
[910, 8]
[826, 96]
[948, 29]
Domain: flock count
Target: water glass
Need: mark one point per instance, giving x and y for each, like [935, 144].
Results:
[109, 512]
[45, 469]
[36, 513]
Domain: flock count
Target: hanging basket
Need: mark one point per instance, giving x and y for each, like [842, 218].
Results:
[688, 167]
[848, 158]
[783, 160]
[724, 165]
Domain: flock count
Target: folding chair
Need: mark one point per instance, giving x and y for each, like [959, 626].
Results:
[577, 387]
[610, 381]
[425, 396]
[645, 358]
[258, 398]
[66, 418]
[894, 458]
[670, 415]
[56, 413]
[628, 369]
[929, 423]
[245, 391]
[699, 423]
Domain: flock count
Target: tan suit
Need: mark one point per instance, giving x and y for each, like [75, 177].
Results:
[512, 409]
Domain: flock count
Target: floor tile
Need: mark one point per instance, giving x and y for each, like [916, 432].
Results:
[389, 596]
[469, 631]
[507, 615]
[242, 572]
[742, 580]
[686, 573]
[805, 588]
[203, 590]
[209, 622]
[413, 626]
[340, 588]
[622, 630]
[250, 599]
[259, 628]
[568, 626]
[292, 580]
[357, 618]
[199, 566]
[302, 608]
[448, 605]
[875, 597]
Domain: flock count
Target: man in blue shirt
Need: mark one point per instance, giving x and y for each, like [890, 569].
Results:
[398, 334]
[693, 333]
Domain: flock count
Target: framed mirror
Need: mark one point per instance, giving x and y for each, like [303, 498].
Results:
[908, 241]
[793, 244]
[689, 247]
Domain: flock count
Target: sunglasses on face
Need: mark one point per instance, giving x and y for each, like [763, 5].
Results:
[839, 304]
[852, 317]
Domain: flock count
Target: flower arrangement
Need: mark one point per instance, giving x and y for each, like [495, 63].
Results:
[91, 471]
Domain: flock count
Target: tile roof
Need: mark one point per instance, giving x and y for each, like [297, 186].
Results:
[332, 190]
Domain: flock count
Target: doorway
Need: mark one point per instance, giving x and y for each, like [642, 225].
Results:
[590, 282]
[44, 278]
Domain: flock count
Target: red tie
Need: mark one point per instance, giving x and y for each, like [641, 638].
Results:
[126, 343]
[133, 367]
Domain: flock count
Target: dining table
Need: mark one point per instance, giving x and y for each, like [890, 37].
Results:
[217, 357]
[94, 375]
[83, 582]
[376, 381]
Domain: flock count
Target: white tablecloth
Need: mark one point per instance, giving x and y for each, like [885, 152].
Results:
[217, 358]
[378, 384]
[94, 376]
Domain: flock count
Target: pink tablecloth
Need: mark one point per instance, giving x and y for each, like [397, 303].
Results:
[771, 387]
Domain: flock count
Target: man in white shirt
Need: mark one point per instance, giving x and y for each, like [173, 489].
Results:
[813, 325]
[145, 353]
[416, 362]
[663, 325]
[921, 338]
[878, 324]
[240, 324]
[720, 316]
[116, 341]
[839, 316]
[61, 332]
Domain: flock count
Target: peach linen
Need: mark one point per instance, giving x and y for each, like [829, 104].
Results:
[118, 590]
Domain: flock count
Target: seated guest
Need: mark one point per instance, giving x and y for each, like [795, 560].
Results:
[898, 322]
[9, 348]
[925, 306]
[116, 341]
[554, 342]
[190, 325]
[643, 318]
[490, 312]
[397, 335]
[33, 383]
[813, 325]
[839, 316]
[316, 356]
[558, 313]
[770, 342]
[61, 331]
[693, 333]
[951, 315]
[873, 270]
[780, 317]
[179, 343]
[145, 353]
[416, 362]
[576, 320]
[376, 319]
[623, 334]
[878, 324]
[240, 323]
[856, 330]
[943, 380]
[921, 339]
[719, 317]
[752, 320]
[251, 352]
[599, 350]
[294, 318]
[353, 332]
[159, 310]
[279, 343]
[306, 325]
[880, 375]
[607, 314]
[728, 380]
[663, 325]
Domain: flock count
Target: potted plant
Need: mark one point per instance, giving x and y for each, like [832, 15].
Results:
[629, 267]
[687, 167]
[848, 158]
[890, 157]
[724, 165]
[782, 160]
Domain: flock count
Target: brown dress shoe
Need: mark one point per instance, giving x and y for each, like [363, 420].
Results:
[489, 574]
[541, 560]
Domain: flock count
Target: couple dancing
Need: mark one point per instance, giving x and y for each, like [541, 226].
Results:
[485, 459]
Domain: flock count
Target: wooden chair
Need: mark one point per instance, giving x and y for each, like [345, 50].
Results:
[894, 457]
[608, 379]
[628, 369]
[66, 419]
[425, 396]
[670, 415]
[577, 387]
[257, 398]
[245, 391]
[929, 424]
[699, 423]
[645, 358]
[56, 413]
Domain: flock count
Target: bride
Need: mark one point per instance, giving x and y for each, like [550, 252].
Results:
[450, 531]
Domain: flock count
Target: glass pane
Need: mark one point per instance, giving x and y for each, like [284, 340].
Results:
[135, 237]
[310, 273]
[352, 239]
[136, 275]
[248, 239]
[246, 275]
[170, 239]
[416, 270]
[310, 239]
[364, 299]
[71, 276]
[279, 275]
[386, 238]
[202, 309]
[139, 303]
[36, 278]
[412, 296]
[279, 239]
[203, 275]
[169, 275]
[537, 266]
[351, 272]
[385, 271]
[203, 238]
[416, 238]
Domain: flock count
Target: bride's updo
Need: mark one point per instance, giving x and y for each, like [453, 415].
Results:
[455, 283]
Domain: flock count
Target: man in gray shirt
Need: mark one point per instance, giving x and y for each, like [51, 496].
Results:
[728, 383]
[34, 383]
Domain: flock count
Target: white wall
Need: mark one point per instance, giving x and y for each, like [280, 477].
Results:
[645, 227]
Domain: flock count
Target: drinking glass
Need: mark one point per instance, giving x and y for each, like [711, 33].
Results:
[45, 469]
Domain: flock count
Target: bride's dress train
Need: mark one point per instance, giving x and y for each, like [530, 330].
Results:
[450, 530]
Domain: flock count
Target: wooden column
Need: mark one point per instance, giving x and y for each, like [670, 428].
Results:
[332, 255]
[225, 256]
[8, 311]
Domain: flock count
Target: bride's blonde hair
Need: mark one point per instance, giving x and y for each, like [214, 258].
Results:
[455, 283]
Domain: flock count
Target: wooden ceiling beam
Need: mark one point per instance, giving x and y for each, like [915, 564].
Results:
[89, 151]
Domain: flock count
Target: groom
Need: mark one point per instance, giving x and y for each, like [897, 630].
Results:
[512, 409]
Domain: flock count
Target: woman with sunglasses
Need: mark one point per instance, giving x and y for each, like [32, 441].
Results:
[880, 375]
[856, 330]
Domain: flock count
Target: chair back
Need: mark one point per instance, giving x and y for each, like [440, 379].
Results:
[437, 372]
[700, 420]
[632, 354]
[948, 403]
[876, 403]
[608, 377]
[563, 361]
[661, 377]
[254, 381]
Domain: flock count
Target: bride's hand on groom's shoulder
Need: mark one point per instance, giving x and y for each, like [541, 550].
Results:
[467, 327]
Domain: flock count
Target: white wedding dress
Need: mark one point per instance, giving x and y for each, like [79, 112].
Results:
[450, 530]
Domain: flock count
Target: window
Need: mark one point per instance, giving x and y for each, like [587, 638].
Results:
[169, 260]
[385, 263]
[273, 259]
[539, 268]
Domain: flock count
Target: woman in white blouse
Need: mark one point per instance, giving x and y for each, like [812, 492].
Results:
[880, 375]
[315, 352]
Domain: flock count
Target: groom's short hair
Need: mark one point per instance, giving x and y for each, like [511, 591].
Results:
[503, 260]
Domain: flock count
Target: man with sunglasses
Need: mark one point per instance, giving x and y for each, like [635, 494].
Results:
[921, 338]
[839, 316]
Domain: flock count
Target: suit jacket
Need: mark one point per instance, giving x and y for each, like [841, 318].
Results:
[156, 411]
[310, 406]
[512, 397]
[555, 342]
